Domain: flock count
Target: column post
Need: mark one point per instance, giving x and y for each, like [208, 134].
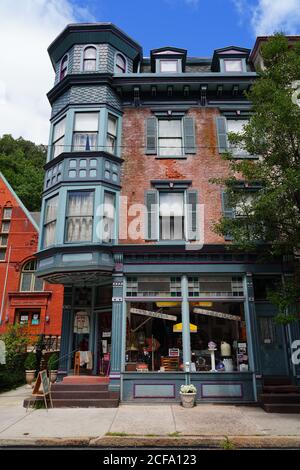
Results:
[116, 332]
[185, 312]
[65, 336]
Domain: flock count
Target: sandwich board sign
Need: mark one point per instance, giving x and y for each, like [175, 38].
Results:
[42, 388]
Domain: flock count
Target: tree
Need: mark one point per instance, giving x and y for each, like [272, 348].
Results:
[21, 162]
[272, 213]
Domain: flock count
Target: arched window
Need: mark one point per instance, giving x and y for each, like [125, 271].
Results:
[120, 64]
[29, 282]
[64, 67]
[89, 58]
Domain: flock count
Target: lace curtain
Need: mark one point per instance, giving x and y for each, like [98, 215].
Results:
[80, 217]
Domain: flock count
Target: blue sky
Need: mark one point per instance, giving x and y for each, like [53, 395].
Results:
[200, 26]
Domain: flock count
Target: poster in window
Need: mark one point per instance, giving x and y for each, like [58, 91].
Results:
[35, 319]
[23, 319]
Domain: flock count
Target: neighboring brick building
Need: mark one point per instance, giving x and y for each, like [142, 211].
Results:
[128, 212]
[24, 298]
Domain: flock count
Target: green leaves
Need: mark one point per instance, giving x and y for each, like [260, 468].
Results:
[22, 162]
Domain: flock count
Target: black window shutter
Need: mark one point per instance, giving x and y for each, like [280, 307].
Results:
[151, 136]
[192, 215]
[151, 222]
[221, 127]
[189, 135]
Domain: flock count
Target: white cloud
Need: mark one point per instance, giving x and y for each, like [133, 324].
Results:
[268, 16]
[26, 73]
[276, 15]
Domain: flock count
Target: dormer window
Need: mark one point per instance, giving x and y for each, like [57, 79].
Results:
[120, 65]
[89, 59]
[233, 65]
[169, 66]
[64, 67]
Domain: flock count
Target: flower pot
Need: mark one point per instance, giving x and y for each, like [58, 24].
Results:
[29, 376]
[188, 399]
[53, 376]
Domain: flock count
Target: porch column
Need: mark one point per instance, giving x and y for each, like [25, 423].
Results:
[185, 312]
[116, 332]
[64, 344]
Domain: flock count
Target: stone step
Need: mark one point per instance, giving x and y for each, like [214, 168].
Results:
[86, 403]
[85, 379]
[277, 380]
[281, 407]
[81, 394]
[278, 398]
[79, 387]
[280, 389]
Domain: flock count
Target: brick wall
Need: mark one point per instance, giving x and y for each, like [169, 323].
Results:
[139, 169]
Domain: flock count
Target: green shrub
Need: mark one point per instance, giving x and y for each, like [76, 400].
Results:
[30, 361]
[10, 379]
[16, 341]
[53, 362]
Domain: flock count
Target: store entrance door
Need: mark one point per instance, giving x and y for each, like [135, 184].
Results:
[104, 342]
[272, 342]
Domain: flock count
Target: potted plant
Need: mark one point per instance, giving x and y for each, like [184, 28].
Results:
[30, 367]
[188, 395]
[52, 367]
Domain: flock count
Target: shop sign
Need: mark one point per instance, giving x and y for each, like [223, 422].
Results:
[173, 352]
[148, 313]
[106, 334]
[178, 328]
[213, 313]
[202, 304]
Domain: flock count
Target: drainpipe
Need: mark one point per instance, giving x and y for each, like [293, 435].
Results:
[4, 286]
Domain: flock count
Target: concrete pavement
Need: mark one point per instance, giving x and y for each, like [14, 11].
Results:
[163, 423]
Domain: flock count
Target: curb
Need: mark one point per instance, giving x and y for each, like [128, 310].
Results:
[212, 442]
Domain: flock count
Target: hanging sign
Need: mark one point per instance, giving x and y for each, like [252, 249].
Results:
[212, 313]
[148, 313]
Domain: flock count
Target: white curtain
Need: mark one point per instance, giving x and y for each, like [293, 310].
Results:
[170, 137]
[108, 217]
[80, 217]
[171, 211]
[50, 221]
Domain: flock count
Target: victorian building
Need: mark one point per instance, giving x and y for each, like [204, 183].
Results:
[129, 206]
[24, 298]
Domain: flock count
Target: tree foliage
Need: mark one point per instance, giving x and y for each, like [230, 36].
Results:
[21, 162]
[273, 135]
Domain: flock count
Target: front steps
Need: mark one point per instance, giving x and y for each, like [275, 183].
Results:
[82, 392]
[280, 396]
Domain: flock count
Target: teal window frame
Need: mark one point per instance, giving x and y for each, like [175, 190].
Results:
[82, 59]
[79, 242]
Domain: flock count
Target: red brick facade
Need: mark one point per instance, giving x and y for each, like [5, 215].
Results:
[21, 246]
[139, 169]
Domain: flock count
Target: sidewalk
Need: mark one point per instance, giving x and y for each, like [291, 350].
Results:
[208, 424]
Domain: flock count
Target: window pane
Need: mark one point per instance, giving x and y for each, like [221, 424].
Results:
[121, 63]
[7, 212]
[79, 229]
[233, 65]
[59, 129]
[2, 255]
[168, 65]
[171, 128]
[110, 144]
[26, 282]
[3, 240]
[89, 65]
[51, 209]
[5, 227]
[90, 53]
[49, 234]
[84, 141]
[58, 147]
[171, 204]
[108, 217]
[80, 203]
[170, 147]
[236, 125]
[86, 122]
[112, 125]
[38, 284]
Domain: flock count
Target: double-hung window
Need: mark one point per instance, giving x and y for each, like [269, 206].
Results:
[58, 140]
[85, 132]
[79, 217]
[236, 126]
[51, 207]
[170, 137]
[29, 282]
[171, 216]
[120, 65]
[108, 217]
[7, 213]
[111, 138]
[89, 59]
